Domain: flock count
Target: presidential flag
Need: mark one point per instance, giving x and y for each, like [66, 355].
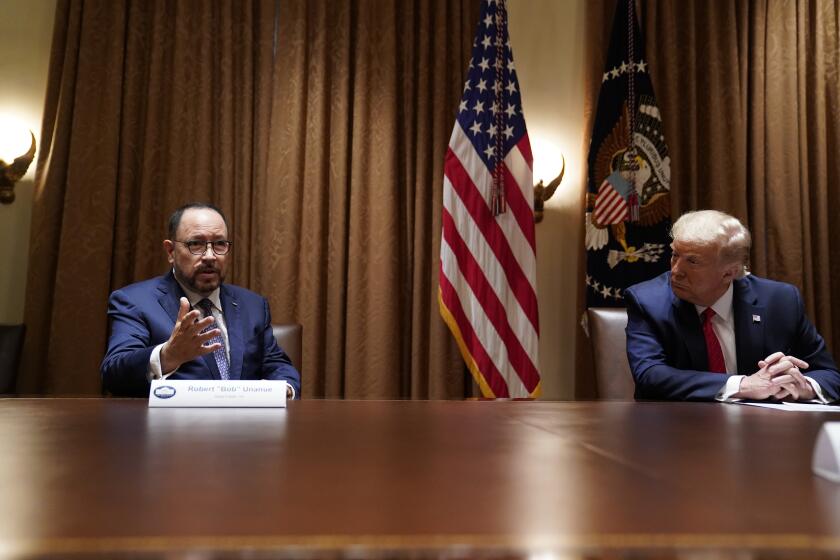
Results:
[487, 292]
[627, 206]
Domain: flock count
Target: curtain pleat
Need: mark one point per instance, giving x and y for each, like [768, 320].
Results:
[363, 108]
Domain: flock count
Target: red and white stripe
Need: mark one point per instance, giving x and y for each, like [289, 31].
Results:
[610, 206]
[488, 293]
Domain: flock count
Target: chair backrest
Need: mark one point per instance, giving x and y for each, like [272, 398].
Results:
[609, 345]
[11, 344]
[290, 338]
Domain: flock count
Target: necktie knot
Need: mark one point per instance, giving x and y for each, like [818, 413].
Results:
[206, 307]
[708, 314]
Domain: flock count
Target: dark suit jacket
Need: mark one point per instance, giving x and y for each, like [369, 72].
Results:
[143, 316]
[667, 351]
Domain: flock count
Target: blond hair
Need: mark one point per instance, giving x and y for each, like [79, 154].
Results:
[710, 227]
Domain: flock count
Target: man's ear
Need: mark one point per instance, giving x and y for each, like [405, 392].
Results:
[731, 272]
[169, 247]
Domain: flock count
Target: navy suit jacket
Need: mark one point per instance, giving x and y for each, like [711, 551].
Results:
[667, 351]
[143, 316]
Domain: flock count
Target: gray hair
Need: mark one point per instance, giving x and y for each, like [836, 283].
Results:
[710, 227]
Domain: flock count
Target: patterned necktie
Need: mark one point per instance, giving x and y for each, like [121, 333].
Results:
[713, 350]
[220, 354]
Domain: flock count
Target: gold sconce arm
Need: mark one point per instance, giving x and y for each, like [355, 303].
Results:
[11, 173]
[544, 192]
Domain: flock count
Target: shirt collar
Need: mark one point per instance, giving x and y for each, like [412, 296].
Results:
[723, 306]
[194, 298]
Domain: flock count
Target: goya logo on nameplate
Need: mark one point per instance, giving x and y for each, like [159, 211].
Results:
[165, 392]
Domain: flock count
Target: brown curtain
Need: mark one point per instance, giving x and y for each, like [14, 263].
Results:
[750, 97]
[149, 105]
[364, 103]
[319, 127]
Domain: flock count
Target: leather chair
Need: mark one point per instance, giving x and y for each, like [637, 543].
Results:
[11, 345]
[290, 338]
[609, 346]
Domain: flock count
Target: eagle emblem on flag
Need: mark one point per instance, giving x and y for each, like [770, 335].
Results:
[636, 182]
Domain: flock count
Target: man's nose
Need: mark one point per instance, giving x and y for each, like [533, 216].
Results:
[676, 267]
[208, 253]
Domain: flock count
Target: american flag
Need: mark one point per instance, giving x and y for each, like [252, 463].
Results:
[488, 294]
[610, 206]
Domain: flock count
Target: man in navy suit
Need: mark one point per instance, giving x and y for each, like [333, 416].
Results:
[708, 330]
[188, 324]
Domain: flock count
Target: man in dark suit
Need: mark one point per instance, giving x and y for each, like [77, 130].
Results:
[709, 330]
[188, 324]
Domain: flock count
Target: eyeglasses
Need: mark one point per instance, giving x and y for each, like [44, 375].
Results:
[198, 247]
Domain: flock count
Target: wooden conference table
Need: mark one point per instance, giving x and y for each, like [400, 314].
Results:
[110, 478]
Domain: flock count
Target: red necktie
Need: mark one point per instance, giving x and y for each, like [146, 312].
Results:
[713, 350]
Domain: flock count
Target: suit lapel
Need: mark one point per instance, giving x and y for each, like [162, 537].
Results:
[210, 362]
[689, 326]
[233, 320]
[749, 328]
[169, 296]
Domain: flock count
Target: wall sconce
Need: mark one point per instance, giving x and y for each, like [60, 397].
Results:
[544, 192]
[11, 173]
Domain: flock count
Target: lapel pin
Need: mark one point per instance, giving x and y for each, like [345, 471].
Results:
[756, 318]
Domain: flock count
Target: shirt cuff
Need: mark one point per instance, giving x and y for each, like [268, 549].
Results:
[820, 398]
[732, 386]
[155, 369]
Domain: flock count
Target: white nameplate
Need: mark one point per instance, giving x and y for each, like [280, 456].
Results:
[214, 393]
[826, 460]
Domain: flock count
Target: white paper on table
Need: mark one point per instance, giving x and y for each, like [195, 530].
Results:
[795, 406]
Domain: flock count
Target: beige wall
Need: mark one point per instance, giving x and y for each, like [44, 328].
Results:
[547, 41]
[25, 37]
